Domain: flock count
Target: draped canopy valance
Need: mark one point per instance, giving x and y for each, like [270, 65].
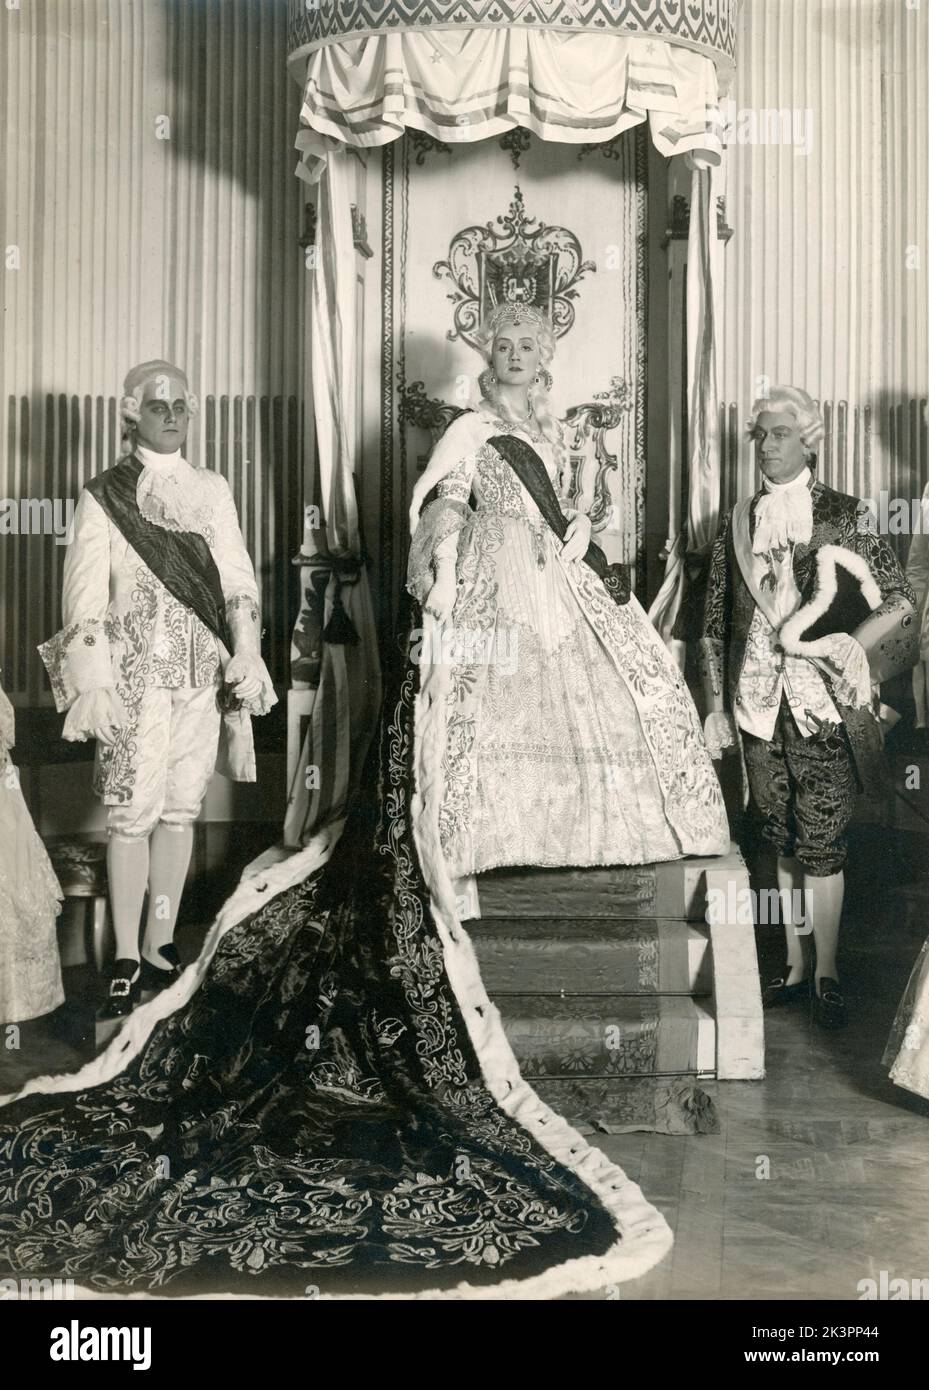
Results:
[574, 71]
[707, 25]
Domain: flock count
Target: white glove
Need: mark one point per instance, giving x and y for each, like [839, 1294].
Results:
[245, 672]
[440, 601]
[719, 732]
[577, 538]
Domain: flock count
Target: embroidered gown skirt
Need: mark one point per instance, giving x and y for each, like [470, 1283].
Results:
[30, 973]
[570, 735]
[907, 1050]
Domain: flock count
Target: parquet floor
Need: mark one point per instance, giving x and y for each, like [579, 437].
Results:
[847, 1188]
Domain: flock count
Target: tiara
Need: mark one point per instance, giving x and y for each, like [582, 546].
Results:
[517, 312]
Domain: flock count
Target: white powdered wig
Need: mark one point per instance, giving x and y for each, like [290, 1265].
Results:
[791, 400]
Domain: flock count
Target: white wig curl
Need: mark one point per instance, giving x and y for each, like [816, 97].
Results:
[130, 405]
[791, 400]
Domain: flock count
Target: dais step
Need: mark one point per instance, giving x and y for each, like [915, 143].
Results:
[594, 1036]
[591, 956]
[675, 890]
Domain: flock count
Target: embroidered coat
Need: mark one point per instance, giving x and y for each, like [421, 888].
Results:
[730, 607]
[122, 631]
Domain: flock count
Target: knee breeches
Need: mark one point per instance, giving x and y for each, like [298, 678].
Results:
[804, 790]
[173, 749]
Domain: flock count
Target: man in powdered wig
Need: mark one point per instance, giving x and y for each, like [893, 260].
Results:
[806, 613]
[159, 660]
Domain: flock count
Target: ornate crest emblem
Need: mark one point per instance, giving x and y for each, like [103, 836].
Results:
[521, 261]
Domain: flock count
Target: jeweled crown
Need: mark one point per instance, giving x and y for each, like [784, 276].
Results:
[517, 312]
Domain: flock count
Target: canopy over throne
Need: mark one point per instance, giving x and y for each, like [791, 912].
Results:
[452, 73]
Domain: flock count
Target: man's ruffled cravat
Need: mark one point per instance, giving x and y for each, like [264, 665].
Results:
[784, 515]
[170, 493]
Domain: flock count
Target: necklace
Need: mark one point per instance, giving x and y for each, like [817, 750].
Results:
[525, 420]
[508, 426]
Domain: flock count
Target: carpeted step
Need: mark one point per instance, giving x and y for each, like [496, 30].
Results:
[674, 890]
[591, 956]
[582, 1036]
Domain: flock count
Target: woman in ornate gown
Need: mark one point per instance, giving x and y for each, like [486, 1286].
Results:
[30, 900]
[562, 731]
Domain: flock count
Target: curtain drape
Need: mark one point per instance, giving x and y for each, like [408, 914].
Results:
[462, 85]
[690, 544]
[346, 701]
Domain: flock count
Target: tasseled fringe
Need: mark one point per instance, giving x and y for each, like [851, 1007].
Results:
[340, 630]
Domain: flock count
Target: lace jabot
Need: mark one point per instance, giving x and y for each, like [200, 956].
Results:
[784, 515]
[171, 494]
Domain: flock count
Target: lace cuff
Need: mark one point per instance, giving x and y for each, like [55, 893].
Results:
[845, 662]
[443, 518]
[719, 731]
[77, 660]
[568, 508]
[95, 709]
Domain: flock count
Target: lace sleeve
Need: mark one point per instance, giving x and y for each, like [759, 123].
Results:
[456, 485]
[441, 520]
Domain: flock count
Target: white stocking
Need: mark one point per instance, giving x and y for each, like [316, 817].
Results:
[127, 871]
[170, 860]
[789, 880]
[823, 898]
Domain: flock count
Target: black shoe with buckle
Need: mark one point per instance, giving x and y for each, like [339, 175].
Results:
[124, 989]
[778, 991]
[829, 1006]
[152, 977]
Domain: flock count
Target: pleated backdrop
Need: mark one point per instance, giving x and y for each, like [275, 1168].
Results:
[149, 208]
[827, 276]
